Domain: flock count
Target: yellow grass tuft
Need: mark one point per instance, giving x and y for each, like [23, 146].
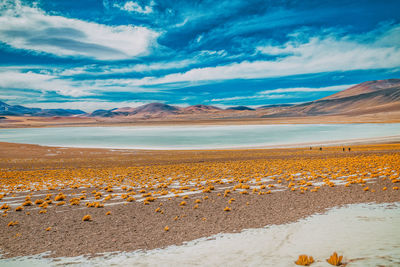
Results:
[130, 199]
[39, 201]
[27, 203]
[60, 197]
[60, 203]
[86, 218]
[74, 201]
[335, 260]
[5, 207]
[12, 223]
[19, 208]
[304, 260]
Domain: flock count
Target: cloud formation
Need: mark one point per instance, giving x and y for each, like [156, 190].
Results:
[30, 28]
[132, 6]
[226, 52]
[310, 54]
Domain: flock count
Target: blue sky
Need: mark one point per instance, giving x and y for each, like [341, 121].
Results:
[92, 54]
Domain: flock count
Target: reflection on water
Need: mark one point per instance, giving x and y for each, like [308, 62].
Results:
[366, 234]
[196, 137]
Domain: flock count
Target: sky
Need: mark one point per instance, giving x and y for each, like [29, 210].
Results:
[103, 54]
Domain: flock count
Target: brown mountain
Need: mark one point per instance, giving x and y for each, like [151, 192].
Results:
[365, 87]
[156, 108]
[365, 98]
[200, 109]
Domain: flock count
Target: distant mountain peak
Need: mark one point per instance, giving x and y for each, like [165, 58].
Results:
[240, 108]
[365, 87]
[156, 108]
[18, 110]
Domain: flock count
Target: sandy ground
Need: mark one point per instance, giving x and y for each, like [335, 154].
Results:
[133, 225]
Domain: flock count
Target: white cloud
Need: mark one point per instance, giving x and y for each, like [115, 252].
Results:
[282, 92]
[131, 6]
[30, 28]
[334, 88]
[123, 69]
[88, 106]
[39, 82]
[66, 87]
[316, 54]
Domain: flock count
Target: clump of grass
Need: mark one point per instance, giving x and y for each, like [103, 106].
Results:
[27, 203]
[150, 199]
[335, 260]
[60, 203]
[42, 211]
[5, 207]
[86, 218]
[74, 201]
[227, 209]
[12, 223]
[183, 203]
[44, 205]
[166, 228]
[130, 199]
[39, 201]
[60, 197]
[19, 208]
[48, 229]
[304, 260]
[108, 213]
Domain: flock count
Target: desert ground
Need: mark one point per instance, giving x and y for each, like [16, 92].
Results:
[74, 201]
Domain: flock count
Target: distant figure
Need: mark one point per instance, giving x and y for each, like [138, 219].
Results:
[310, 148]
[349, 149]
[320, 148]
[344, 149]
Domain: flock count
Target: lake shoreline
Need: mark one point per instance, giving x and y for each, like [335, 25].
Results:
[219, 137]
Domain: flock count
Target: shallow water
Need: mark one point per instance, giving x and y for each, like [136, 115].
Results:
[196, 137]
[366, 234]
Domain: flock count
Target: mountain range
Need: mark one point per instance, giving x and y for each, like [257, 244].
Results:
[18, 110]
[365, 98]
